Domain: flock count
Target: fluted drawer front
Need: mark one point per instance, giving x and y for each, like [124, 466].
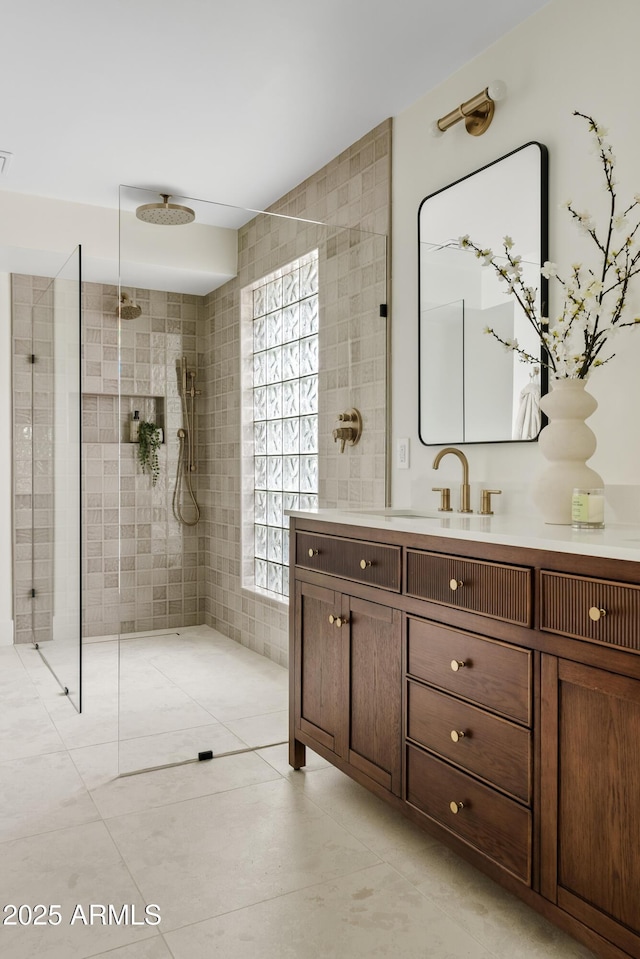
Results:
[594, 609]
[499, 827]
[486, 672]
[492, 748]
[491, 589]
[359, 560]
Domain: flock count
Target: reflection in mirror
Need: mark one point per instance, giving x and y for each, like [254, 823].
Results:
[471, 389]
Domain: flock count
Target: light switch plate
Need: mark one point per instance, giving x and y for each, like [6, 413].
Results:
[402, 454]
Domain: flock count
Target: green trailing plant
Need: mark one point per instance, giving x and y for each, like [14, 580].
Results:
[148, 446]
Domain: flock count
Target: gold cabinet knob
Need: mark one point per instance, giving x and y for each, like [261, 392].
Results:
[457, 735]
[456, 807]
[457, 664]
[596, 613]
[337, 620]
[455, 584]
[313, 552]
[364, 563]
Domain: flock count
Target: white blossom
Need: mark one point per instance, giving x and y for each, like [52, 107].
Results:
[592, 296]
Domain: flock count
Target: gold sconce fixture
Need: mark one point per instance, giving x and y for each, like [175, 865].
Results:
[477, 112]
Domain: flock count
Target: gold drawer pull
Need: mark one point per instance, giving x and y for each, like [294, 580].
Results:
[312, 552]
[457, 735]
[455, 584]
[338, 620]
[364, 563]
[596, 613]
[457, 664]
[456, 807]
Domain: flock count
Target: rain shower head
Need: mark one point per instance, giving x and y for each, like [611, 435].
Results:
[165, 214]
[127, 309]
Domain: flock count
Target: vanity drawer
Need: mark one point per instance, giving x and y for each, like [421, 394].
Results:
[568, 603]
[364, 562]
[492, 748]
[499, 827]
[493, 674]
[490, 589]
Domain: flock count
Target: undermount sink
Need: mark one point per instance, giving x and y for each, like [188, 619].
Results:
[400, 513]
[440, 516]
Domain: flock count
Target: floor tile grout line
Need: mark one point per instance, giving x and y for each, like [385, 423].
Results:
[280, 895]
[177, 802]
[135, 883]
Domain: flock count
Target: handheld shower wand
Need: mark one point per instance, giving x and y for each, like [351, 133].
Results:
[186, 453]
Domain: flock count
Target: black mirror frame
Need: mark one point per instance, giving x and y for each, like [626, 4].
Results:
[544, 284]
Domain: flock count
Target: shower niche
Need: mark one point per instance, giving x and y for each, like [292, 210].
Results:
[107, 418]
[150, 410]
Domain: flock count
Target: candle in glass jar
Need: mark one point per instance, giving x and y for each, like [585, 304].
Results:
[587, 509]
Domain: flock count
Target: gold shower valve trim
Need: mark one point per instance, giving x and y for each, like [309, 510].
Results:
[348, 434]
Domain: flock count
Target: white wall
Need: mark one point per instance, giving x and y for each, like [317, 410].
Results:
[38, 233]
[6, 565]
[571, 55]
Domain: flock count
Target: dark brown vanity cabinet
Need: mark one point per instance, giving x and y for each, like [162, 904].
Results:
[348, 688]
[591, 798]
[469, 746]
[491, 694]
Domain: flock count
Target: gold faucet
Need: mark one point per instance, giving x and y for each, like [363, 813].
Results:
[465, 489]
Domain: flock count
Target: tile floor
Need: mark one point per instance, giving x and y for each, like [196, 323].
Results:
[245, 858]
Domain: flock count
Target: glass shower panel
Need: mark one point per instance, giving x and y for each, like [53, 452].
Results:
[56, 477]
[178, 687]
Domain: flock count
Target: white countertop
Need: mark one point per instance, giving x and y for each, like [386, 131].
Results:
[614, 542]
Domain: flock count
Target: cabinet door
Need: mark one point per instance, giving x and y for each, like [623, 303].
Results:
[375, 692]
[591, 800]
[320, 702]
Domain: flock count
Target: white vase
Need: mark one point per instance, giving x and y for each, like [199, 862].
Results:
[566, 443]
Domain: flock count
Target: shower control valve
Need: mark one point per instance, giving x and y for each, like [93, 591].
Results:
[348, 434]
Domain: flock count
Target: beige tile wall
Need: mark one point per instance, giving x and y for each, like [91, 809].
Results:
[352, 191]
[32, 320]
[172, 575]
[155, 584]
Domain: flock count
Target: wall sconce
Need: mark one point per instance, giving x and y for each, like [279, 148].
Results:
[477, 112]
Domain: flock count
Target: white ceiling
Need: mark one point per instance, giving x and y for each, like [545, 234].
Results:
[234, 101]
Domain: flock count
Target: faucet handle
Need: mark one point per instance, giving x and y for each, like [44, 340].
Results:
[485, 505]
[445, 498]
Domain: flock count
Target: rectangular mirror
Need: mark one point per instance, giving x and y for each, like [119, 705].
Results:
[472, 390]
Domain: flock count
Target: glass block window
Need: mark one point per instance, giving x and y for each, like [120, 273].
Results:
[285, 412]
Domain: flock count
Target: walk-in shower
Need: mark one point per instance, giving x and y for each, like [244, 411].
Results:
[206, 373]
[183, 492]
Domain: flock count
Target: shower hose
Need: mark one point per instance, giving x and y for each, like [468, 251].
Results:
[183, 476]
